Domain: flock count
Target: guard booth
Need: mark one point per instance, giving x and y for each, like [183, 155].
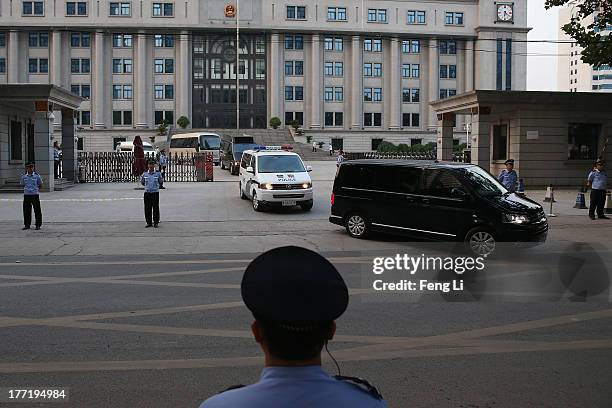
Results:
[29, 112]
[553, 137]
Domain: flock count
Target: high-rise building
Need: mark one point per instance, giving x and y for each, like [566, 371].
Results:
[357, 72]
[573, 74]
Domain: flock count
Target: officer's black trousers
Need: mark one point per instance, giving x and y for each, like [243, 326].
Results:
[598, 201]
[151, 207]
[30, 201]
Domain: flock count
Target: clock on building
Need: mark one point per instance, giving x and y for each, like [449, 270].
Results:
[505, 12]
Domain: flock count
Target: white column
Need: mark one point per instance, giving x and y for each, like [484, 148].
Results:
[183, 80]
[357, 84]
[43, 130]
[98, 91]
[445, 137]
[432, 77]
[13, 58]
[141, 95]
[315, 84]
[56, 58]
[274, 75]
[396, 84]
[469, 65]
[481, 141]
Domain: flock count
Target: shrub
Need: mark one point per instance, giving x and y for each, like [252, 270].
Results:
[183, 122]
[275, 122]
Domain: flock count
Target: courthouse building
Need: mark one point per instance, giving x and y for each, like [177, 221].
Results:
[354, 72]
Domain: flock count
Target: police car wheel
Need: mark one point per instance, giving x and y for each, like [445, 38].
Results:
[242, 195]
[480, 241]
[257, 206]
[307, 206]
[356, 225]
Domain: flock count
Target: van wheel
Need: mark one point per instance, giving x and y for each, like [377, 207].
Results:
[257, 206]
[480, 241]
[357, 226]
[222, 165]
[242, 195]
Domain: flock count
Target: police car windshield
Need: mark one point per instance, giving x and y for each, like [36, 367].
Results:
[483, 183]
[282, 163]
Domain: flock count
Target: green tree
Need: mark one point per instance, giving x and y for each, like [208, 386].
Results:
[275, 122]
[183, 122]
[596, 48]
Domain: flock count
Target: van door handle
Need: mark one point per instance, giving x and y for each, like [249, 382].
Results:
[425, 201]
[410, 199]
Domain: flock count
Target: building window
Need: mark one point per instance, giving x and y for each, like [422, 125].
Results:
[339, 93]
[80, 66]
[452, 71]
[33, 8]
[120, 9]
[164, 40]
[294, 116]
[448, 47]
[453, 18]
[367, 69]
[328, 93]
[16, 141]
[164, 117]
[447, 93]
[38, 65]
[299, 93]
[367, 94]
[377, 15]
[376, 143]
[328, 69]
[500, 142]
[415, 70]
[406, 70]
[377, 94]
[499, 76]
[122, 40]
[294, 42]
[80, 143]
[122, 66]
[416, 17]
[333, 44]
[82, 90]
[338, 69]
[38, 39]
[164, 66]
[411, 120]
[336, 14]
[372, 94]
[410, 95]
[76, 8]
[334, 69]
[122, 118]
[163, 9]
[82, 40]
[372, 45]
[415, 95]
[582, 141]
[294, 68]
[2, 65]
[443, 71]
[2, 39]
[296, 13]
[377, 69]
[411, 46]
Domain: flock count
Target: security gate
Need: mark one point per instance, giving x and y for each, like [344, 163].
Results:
[109, 167]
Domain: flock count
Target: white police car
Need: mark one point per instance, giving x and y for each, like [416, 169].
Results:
[270, 176]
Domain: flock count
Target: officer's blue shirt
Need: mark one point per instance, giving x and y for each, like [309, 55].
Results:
[152, 181]
[31, 183]
[163, 159]
[56, 155]
[508, 179]
[598, 179]
[295, 387]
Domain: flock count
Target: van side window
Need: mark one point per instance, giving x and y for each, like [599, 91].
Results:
[406, 180]
[439, 183]
[246, 158]
[369, 177]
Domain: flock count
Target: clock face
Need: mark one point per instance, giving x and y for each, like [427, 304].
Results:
[504, 12]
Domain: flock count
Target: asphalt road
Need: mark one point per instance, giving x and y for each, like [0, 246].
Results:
[128, 317]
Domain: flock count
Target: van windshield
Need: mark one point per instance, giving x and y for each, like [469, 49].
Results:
[483, 183]
[241, 147]
[184, 143]
[280, 164]
[210, 142]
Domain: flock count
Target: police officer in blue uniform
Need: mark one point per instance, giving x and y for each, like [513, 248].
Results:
[295, 296]
[31, 182]
[598, 181]
[508, 176]
[153, 181]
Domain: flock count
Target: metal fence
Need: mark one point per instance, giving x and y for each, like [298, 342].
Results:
[457, 157]
[108, 167]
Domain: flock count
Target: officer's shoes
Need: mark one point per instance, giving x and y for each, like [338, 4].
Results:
[37, 228]
[155, 225]
[25, 228]
[592, 217]
[148, 226]
[603, 217]
[162, 188]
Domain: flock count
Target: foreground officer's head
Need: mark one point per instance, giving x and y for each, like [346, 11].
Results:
[295, 295]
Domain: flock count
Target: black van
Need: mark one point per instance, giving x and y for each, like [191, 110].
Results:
[231, 152]
[435, 201]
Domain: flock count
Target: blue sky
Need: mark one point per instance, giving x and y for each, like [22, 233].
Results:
[542, 70]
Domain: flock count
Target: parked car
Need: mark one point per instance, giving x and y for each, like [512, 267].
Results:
[128, 147]
[435, 201]
[274, 177]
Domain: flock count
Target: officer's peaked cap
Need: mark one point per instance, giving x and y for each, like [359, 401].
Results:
[294, 285]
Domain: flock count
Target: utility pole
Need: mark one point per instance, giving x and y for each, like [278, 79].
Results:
[237, 67]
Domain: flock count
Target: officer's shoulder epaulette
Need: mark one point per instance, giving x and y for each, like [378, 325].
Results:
[233, 387]
[361, 384]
